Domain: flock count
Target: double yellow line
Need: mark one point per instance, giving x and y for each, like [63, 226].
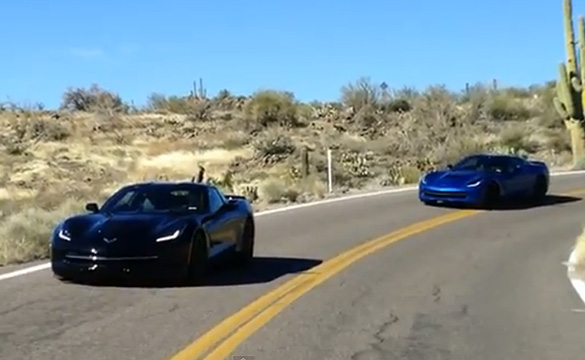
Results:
[238, 327]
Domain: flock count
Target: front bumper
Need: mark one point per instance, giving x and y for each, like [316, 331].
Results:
[76, 264]
[428, 193]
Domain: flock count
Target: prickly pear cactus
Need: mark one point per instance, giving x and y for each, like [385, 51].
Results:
[356, 164]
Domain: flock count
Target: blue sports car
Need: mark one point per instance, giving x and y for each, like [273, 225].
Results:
[485, 179]
[154, 230]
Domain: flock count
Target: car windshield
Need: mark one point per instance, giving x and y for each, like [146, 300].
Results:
[157, 198]
[484, 163]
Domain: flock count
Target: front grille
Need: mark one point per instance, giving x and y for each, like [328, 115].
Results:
[108, 258]
[446, 194]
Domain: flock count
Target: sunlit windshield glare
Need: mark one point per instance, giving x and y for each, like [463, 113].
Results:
[482, 163]
[156, 199]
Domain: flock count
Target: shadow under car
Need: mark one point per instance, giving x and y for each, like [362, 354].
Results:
[258, 270]
[516, 204]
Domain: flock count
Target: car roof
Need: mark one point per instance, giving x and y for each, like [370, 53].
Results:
[495, 155]
[202, 186]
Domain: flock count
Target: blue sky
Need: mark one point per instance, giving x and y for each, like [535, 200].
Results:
[311, 48]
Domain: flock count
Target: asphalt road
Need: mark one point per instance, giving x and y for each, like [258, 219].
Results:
[491, 286]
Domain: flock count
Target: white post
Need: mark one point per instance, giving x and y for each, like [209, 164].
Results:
[329, 171]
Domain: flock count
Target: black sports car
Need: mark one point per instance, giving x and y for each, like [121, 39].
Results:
[154, 230]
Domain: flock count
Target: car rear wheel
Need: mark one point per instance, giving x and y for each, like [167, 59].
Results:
[199, 260]
[247, 253]
[540, 188]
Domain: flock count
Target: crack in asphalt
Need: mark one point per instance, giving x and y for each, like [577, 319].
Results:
[18, 307]
[428, 337]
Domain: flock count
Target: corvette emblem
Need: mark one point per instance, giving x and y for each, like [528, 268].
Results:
[109, 241]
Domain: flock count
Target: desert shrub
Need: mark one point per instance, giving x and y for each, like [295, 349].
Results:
[517, 138]
[360, 94]
[92, 99]
[37, 128]
[397, 105]
[21, 242]
[159, 102]
[411, 174]
[558, 140]
[226, 101]
[517, 93]
[278, 145]
[269, 107]
[272, 190]
[502, 107]
[195, 108]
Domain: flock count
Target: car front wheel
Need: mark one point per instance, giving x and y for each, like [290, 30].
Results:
[198, 262]
[247, 253]
[491, 195]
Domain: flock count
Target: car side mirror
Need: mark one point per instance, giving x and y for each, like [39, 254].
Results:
[449, 166]
[92, 207]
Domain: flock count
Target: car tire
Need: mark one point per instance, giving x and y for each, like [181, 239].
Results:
[491, 196]
[62, 278]
[540, 189]
[198, 259]
[244, 256]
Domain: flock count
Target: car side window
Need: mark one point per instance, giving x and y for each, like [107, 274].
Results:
[515, 163]
[468, 163]
[125, 202]
[216, 201]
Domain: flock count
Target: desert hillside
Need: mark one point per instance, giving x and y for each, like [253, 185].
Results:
[53, 162]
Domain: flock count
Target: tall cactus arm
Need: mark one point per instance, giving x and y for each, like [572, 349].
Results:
[570, 99]
[576, 83]
[560, 107]
[565, 93]
[582, 56]
[569, 38]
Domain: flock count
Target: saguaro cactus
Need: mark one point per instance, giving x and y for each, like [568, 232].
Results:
[304, 162]
[570, 99]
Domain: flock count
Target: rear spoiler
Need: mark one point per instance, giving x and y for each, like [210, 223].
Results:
[536, 162]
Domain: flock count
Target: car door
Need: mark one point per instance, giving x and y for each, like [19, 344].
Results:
[235, 220]
[217, 223]
[522, 178]
[515, 177]
[233, 223]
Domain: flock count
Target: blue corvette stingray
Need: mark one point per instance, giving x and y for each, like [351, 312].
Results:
[485, 179]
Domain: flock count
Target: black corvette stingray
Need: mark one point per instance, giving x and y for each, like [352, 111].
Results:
[154, 230]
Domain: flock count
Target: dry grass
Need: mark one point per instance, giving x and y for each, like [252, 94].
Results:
[53, 162]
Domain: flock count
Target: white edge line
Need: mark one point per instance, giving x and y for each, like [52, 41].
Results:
[577, 282]
[47, 265]
[25, 271]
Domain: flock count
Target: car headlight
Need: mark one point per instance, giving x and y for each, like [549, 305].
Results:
[423, 179]
[172, 236]
[64, 235]
[474, 184]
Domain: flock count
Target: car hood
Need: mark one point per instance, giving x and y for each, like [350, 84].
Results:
[126, 229]
[453, 178]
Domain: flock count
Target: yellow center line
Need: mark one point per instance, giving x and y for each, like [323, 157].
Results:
[238, 327]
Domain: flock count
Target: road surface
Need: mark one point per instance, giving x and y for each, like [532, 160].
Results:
[488, 286]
